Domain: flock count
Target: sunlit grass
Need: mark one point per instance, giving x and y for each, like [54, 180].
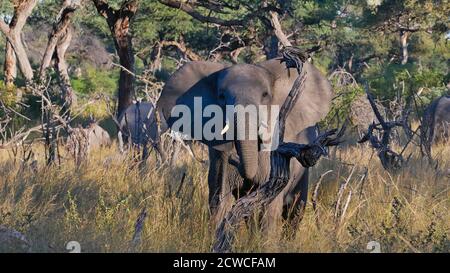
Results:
[97, 204]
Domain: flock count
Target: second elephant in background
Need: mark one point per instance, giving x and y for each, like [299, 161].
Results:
[138, 126]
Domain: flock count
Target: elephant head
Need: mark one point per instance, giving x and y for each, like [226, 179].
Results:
[267, 83]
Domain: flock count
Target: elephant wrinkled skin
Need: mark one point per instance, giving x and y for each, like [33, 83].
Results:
[267, 83]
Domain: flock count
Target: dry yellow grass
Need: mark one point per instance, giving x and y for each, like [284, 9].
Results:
[98, 203]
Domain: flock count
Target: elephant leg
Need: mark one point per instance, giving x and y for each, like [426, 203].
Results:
[220, 195]
[272, 215]
[295, 203]
[297, 193]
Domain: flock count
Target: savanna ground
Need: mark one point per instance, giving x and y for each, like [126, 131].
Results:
[98, 203]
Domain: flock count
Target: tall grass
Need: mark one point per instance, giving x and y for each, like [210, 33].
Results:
[98, 203]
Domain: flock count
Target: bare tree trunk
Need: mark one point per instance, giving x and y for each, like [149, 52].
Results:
[22, 57]
[125, 52]
[404, 41]
[278, 31]
[271, 47]
[350, 63]
[10, 67]
[68, 94]
[58, 42]
[13, 32]
[60, 29]
[277, 36]
[119, 24]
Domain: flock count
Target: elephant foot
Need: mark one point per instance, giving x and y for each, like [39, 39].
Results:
[272, 220]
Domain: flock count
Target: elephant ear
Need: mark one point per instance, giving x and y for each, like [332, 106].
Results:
[313, 104]
[192, 80]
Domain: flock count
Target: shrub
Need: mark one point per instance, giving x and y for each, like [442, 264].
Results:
[96, 81]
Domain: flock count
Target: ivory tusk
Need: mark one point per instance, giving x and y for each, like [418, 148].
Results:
[263, 124]
[225, 129]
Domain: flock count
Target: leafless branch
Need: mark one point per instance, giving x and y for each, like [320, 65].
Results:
[390, 160]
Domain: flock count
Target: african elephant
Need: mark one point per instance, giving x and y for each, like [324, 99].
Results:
[81, 141]
[237, 165]
[436, 122]
[138, 126]
[98, 137]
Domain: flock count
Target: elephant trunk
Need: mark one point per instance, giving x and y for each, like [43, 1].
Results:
[247, 150]
[248, 154]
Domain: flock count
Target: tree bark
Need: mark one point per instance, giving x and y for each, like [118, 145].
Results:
[59, 33]
[58, 42]
[278, 31]
[119, 25]
[10, 65]
[124, 49]
[13, 32]
[404, 42]
[61, 66]
[271, 46]
[276, 36]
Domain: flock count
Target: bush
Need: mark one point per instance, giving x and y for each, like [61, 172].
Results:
[96, 81]
[7, 94]
[341, 105]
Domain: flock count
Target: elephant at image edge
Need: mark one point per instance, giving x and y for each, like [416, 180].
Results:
[441, 122]
[267, 83]
[436, 122]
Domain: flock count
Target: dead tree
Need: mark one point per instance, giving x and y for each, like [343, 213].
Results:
[58, 42]
[8, 136]
[77, 145]
[119, 25]
[390, 160]
[49, 124]
[306, 154]
[10, 66]
[15, 49]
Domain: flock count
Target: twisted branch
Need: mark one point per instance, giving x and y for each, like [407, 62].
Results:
[306, 154]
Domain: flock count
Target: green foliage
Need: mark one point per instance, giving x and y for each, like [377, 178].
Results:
[98, 110]
[7, 94]
[341, 105]
[96, 81]
[395, 80]
[364, 31]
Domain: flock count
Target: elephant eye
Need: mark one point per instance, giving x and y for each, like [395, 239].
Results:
[265, 94]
